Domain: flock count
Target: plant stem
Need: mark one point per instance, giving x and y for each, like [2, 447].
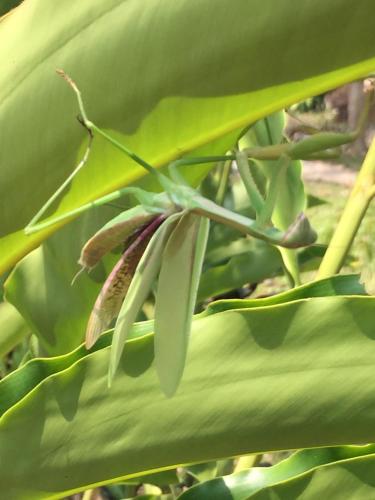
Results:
[351, 218]
[291, 266]
[225, 167]
[265, 216]
[247, 462]
[174, 491]
[89, 494]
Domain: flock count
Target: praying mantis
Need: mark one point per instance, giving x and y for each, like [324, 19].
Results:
[166, 236]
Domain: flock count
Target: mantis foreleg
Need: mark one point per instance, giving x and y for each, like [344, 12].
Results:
[253, 193]
[144, 197]
[32, 225]
[265, 214]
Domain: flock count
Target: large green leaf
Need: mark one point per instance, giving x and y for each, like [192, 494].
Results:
[13, 388]
[7, 5]
[167, 79]
[296, 374]
[16, 386]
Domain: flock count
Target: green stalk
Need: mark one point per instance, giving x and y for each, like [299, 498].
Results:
[265, 216]
[225, 167]
[246, 462]
[89, 494]
[354, 211]
[291, 267]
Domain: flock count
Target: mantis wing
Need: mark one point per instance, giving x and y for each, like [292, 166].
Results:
[176, 296]
[117, 230]
[108, 303]
[139, 289]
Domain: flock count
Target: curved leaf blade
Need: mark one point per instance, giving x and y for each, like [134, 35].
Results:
[245, 484]
[255, 357]
[354, 478]
[209, 97]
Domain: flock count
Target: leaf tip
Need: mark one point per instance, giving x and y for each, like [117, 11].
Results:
[109, 378]
[98, 322]
[169, 390]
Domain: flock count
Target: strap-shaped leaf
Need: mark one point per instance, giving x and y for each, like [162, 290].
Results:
[176, 295]
[139, 289]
